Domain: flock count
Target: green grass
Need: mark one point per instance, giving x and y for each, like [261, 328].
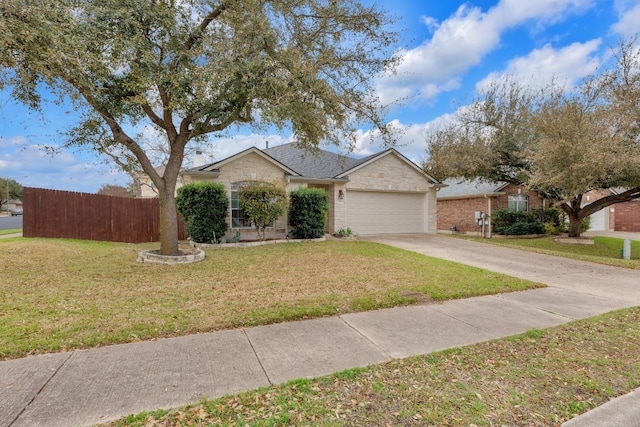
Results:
[605, 250]
[10, 231]
[65, 294]
[540, 378]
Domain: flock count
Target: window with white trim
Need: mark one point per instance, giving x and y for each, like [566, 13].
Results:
[518, 203]
[238, 218]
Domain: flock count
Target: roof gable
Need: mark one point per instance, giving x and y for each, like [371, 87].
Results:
[216, 165]
[390, 151]
[317, 164]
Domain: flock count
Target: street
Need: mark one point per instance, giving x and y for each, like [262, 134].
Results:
[10, 222]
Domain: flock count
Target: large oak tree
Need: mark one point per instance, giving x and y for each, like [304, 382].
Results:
[561, 144]
[197, 67]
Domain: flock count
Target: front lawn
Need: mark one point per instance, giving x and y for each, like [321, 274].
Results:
[540, 378]
[67, 294]
[605, 250]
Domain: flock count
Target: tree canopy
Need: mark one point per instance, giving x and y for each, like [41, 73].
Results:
[9, 189]
[114, 190]
[190, 68]
[561, 144]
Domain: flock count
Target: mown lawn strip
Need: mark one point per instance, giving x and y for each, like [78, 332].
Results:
[540, 378]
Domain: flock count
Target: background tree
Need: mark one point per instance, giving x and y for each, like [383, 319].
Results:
[560, 144]
[114, 190]
[197, 67]
[10, 189]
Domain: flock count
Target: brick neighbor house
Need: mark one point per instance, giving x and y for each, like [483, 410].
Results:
[460, 200]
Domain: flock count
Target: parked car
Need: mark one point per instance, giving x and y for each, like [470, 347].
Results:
[15, 212]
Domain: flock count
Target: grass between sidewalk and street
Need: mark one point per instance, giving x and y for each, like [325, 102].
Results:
[10, 231]
[66, 294]
[540, 378]
[605, 250]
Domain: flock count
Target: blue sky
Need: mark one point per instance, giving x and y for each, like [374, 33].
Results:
[450, 49]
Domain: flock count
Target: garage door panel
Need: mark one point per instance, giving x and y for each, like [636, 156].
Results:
[380, 212]
[597, 221]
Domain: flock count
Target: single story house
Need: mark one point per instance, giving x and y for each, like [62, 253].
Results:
[460, 200]
[11, 204]
[381, 193]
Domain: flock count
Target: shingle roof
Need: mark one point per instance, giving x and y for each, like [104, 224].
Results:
[312, 164]
[457, 187]
[318, 164]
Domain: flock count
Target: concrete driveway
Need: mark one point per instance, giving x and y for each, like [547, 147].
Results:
[585, 277]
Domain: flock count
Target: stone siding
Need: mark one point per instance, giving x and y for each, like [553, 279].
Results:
[388, 173]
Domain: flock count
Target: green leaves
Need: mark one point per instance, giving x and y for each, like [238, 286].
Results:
[263, 203]
[308, 213]
[197, 67]
[204, 206]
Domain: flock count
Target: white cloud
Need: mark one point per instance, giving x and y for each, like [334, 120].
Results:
[629, 16]
[411, 143]
[431, 23]
[228, 146]
[31, 166]
[461, 41]
[567, 65]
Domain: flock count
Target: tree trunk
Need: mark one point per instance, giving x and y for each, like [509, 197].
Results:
[574, 225]
[168, 223]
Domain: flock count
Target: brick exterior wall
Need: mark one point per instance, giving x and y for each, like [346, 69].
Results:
[627, 216]
[461, 211]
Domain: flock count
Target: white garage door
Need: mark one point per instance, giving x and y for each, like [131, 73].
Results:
[598, 220]
[376, 212]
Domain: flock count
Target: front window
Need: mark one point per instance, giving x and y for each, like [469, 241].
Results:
[519, 203]
[238, 217]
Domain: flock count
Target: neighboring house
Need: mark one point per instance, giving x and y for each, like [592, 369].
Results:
[11, 204]
[619, 217]
[601, 220]
[382, 193]
[146, 188]
[625, 216]
[460, 200]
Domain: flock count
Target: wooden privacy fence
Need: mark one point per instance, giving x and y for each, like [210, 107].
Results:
[65, 214]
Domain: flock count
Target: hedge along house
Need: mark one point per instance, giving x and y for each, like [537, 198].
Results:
[381, 193]
[460, 200]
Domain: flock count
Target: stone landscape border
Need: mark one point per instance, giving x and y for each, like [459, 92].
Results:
[251, 244]
[154, 257]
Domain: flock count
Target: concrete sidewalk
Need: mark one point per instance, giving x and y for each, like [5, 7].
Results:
[102, 384]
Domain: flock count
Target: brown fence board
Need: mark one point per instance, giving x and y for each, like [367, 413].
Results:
[66, 214]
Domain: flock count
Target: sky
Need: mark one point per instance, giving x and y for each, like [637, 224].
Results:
[449, 51]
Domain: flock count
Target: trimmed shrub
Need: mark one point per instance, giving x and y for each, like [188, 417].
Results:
[204, 206]
[552, 218]
[263, 203]
[524, 228]
[308, 212]
[516, 223]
